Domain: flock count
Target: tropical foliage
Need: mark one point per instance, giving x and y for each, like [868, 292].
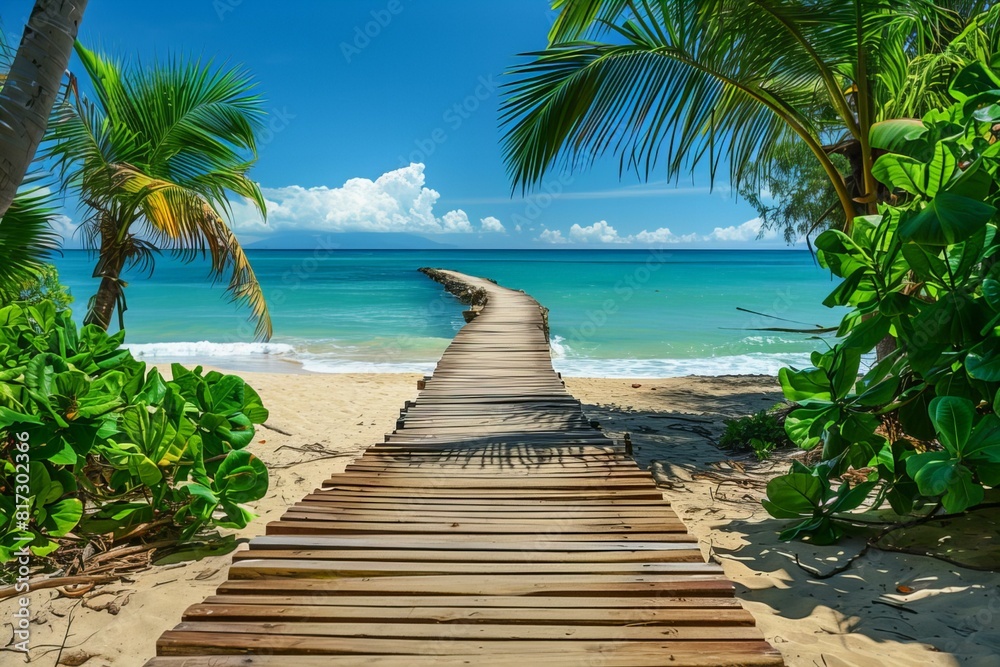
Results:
[154, 157]
[921, 423]
[681, 83]
[26, 239]
[798, 198]
[794, 196]
[43, 286]
[760, 433]
[94, 443]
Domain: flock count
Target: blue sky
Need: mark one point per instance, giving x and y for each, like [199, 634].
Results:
[384, 118]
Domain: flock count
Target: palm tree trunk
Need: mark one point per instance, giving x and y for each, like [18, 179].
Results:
[31, 88]
[102, 306]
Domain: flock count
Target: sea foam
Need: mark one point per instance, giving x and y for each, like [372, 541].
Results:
[250, 356]
[205, 348]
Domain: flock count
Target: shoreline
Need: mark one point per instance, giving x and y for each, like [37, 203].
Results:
[287, 363]
[321, 422]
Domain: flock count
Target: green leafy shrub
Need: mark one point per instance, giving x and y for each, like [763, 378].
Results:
[923, 419]
[760, 433]
[110, 444]
[44, 286]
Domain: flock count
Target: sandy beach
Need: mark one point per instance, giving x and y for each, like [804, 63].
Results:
[319, 423]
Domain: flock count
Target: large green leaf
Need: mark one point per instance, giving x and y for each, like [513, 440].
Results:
[991, 292]
[805, 426]
[947, 219]
[972, 80]
[940, 169]
[901, 172]
[937, 474]
[983, 361]
[803, 385]
[851, 498]
[984, 444]
[898, 135]
[63, 517]
[253, 406]
[793, 495]
[241, 477]
[10, 417]
[953, 419]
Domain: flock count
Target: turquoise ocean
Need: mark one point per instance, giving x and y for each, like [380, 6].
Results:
[613, 313]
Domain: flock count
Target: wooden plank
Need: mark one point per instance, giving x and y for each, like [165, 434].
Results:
[584, 585]
[474, 631]
[687, 553]
[410, 513]
[511, 504]
[484, 601]
[298, 526]
[184, 642]
[260, 568]
[494, 526]
[482, 543]
[566, 658]
[472, 615]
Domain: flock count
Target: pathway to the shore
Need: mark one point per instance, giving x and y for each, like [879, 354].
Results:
[495, 526]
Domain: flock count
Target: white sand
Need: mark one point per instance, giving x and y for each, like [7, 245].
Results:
[954, 613]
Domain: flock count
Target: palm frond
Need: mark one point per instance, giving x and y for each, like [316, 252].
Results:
[666, 79]
[677, 83]
[26, 235]
[244, 288]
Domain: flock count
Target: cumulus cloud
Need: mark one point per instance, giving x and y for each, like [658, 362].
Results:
[602, 233]
[661, 236]
[748, 231]
[491, 224]
[397, 201]
[553, 236]
[455, 222]
[599, 232]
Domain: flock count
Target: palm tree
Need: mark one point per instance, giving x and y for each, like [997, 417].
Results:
[154, 159]
[31, 87]
[673, 79]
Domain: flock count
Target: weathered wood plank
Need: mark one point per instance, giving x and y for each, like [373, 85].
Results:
[494, 526]
[473, 615]
[503, 658]
[484, 601]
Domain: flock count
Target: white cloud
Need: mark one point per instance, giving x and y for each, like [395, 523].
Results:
[456, 221]
[748, 231]
[491, 224]
[660, 236]
[397, 201]
[68, 229]
[602, 233]
[517, 228]
[552, 236]
[599, 232]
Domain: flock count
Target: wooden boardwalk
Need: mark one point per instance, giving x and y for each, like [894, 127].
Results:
[495, 526]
